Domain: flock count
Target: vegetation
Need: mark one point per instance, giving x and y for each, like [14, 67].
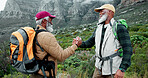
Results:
[81, 64]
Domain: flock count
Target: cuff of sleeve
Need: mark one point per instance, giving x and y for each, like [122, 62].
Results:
[82, 45]
[124, 66]
[74, 47]
[123, 70]
[77, 45]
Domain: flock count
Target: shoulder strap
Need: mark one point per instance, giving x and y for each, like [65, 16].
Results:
[114, 28]
[118, 53]
[123, 22]
[42, 68]
[35, 40]
[38, 31]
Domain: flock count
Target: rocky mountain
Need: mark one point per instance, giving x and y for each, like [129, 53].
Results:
[131, 2]
[134, 11]
[19, 13]
[68, 12]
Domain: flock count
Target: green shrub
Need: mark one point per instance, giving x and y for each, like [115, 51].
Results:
[139, 61]
[16, 75]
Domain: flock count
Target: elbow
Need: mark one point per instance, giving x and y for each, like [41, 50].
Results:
[61, 59]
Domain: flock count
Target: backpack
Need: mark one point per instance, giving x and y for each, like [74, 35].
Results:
[114, 29]
[115, 25]
[22, 49]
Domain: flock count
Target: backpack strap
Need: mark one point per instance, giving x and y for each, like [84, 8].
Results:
[36, 41]
[42, 68]
[114, 28]
[47, 66]
[14, 59]
[115, 25]
[39, 46]
[51, 66]
[110, 58]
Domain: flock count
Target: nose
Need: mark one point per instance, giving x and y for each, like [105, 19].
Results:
[100, 14]
[50, 21]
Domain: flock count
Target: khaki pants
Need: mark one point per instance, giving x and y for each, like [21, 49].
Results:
[97, 75]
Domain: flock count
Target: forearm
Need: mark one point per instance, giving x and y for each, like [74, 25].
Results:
[61, 54]
[51, 46]
[89, 43]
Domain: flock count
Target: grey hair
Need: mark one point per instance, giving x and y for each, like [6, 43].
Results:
[38, 22]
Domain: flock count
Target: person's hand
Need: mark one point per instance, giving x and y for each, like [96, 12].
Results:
[119, 74]
[77, 41]
[74, 41]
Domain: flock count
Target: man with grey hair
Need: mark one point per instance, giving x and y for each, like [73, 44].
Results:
[47, 46]
[109, 63]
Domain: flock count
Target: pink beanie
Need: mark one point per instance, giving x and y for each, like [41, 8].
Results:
[43, 14]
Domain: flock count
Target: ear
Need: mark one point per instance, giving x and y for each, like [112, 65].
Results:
[44, 20]
[50, 20]
[111, 13]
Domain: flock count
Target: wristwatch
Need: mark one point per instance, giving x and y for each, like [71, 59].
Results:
[123, 70]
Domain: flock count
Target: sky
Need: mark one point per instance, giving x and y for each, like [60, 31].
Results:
[2, 4]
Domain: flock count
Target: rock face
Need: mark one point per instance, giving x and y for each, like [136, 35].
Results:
[68, 12]
[129, 2]
[19, 13]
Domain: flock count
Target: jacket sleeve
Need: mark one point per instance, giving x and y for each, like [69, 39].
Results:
[49, 43]
[89, 43]
[124, 40]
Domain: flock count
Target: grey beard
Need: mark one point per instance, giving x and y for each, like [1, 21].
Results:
[49, 27]
[103, 18]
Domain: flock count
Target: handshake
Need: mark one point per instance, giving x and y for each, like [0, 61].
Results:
[77, 41]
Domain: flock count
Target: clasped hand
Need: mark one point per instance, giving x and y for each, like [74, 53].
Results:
[77, 41]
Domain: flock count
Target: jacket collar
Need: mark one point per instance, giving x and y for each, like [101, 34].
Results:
[108, 31]
[112, 21]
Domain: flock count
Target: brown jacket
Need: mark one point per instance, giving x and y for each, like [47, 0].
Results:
[50, 45]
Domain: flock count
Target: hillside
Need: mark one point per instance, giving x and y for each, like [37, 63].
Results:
[134, 14]
[81, 64]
